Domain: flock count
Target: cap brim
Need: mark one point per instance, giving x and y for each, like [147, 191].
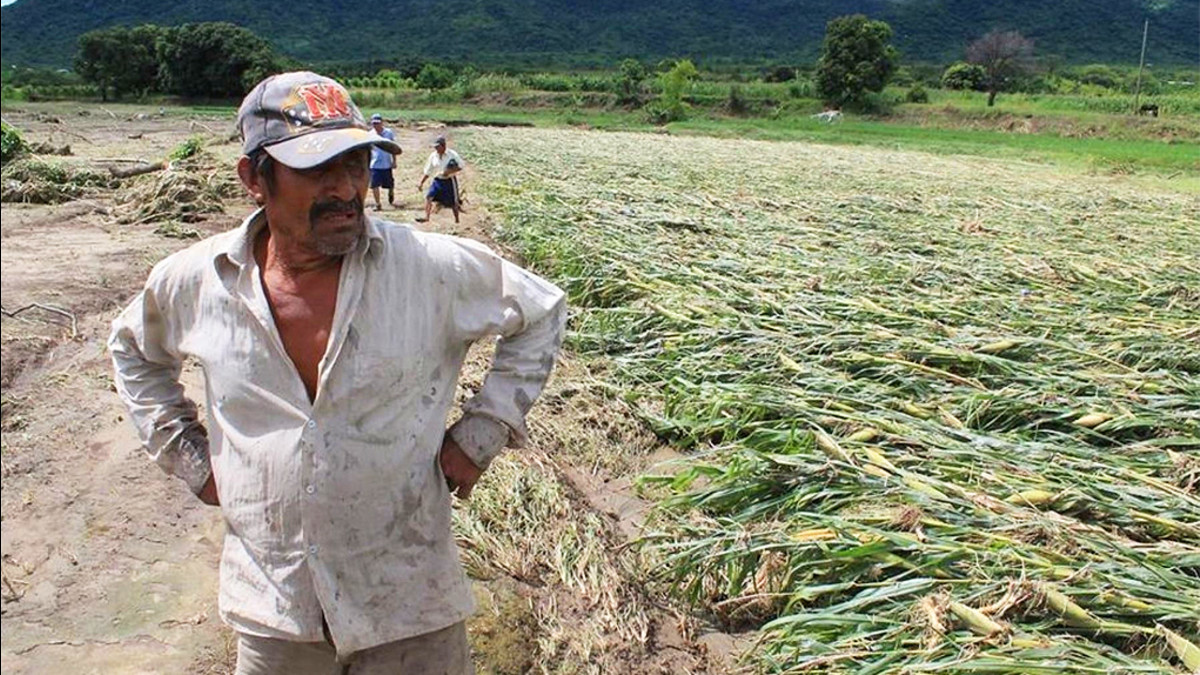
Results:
[318, 147]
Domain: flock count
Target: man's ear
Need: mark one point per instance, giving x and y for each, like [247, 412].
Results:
[255, 185]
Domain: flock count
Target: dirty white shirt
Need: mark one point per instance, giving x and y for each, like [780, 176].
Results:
[336, 507]
[436, 165]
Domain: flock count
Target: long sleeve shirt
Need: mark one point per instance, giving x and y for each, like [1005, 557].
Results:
[336, 508]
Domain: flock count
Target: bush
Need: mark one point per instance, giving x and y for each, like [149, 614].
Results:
[735, 103]
[433, 76]
[800, 89]
[963, 77]
[596, 83]
[33, 181]
[12, 145]
[189, 148]
[629, 82]
[491, 82]
[1101, 76]
[780, 74]
[548, 81]
[14, 94]
[673, 84]
[917, 94]
[391, 79]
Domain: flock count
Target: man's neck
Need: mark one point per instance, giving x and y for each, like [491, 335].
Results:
[276, 253]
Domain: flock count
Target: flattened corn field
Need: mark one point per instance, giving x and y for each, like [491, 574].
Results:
[938, 413]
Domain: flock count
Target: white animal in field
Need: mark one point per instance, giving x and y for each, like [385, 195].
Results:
[829, 116]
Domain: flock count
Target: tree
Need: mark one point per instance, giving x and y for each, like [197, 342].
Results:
[1101, 76]
[433, 76]
[119, 59]
[629, 82]
[963, 76]
[214, 60]
[855, 59]
[1004, 56]
[674, 83]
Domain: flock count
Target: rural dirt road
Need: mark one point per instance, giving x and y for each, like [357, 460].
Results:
[111, 566]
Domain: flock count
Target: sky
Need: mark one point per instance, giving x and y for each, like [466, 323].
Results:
[6, 2]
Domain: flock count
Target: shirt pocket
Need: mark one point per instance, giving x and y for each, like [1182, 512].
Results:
[380, 394]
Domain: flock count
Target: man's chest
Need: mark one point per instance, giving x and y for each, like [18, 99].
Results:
[392, 340]
[303, 318]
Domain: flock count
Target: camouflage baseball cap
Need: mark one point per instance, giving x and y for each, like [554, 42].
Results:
[303, 119]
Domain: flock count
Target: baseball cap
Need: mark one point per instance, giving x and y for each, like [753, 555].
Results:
[440, 140]
[376, 118]
[303, 119]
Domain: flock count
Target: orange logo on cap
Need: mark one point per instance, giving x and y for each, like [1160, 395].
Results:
[324, 101]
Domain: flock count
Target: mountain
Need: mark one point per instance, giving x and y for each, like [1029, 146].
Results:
[598, 32]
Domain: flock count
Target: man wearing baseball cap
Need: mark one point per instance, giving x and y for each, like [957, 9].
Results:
[383, 163]
[331, 345]
[443, 166]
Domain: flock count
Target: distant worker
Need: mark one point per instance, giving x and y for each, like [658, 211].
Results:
[383, 163]
[442, 166]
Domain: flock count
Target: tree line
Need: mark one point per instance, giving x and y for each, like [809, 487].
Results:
[195, 60]
[220, 60]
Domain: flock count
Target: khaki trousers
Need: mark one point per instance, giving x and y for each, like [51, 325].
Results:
[443, 652]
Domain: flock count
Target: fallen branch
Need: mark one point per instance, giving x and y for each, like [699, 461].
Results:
[136, 170]
[46, 308]
[193, 124]
[13, 595]
[81, 137]
[49, 149]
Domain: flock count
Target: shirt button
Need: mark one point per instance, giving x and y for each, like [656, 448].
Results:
[310, 489]
[312, 550]
[312, 424]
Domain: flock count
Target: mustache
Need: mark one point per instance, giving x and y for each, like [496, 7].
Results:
[328, 206]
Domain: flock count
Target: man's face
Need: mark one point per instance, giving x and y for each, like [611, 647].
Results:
[441, 148]
[377, 125]
[321, 208]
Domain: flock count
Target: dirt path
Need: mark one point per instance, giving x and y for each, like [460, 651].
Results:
[111, 566]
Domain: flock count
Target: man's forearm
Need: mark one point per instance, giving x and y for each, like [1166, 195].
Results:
[146, 375]
[495, 417]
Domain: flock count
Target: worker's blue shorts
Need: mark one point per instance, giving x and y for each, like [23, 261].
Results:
[444, 191]
[382, 178]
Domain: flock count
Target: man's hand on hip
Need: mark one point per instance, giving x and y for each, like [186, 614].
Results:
[208, 494]
[460, 472]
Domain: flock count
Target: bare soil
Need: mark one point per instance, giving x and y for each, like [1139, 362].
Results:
[111, 566]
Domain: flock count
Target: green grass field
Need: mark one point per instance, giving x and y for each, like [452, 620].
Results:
[940, 411]
[1173, 156]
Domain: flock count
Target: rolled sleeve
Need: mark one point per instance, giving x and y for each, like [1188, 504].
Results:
[480, 437]
[528, 313]
[147, 369]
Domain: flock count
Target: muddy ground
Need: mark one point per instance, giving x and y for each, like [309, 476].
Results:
[111, 566]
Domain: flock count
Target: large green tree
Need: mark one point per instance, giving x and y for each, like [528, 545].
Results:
[213, 60]
[856, 59]
[120, 60]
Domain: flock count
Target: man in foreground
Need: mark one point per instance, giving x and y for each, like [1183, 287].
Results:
[331, 345]
[442, 166]
[383, 163]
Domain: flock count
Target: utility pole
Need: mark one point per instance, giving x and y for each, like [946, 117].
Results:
[1137, 89]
